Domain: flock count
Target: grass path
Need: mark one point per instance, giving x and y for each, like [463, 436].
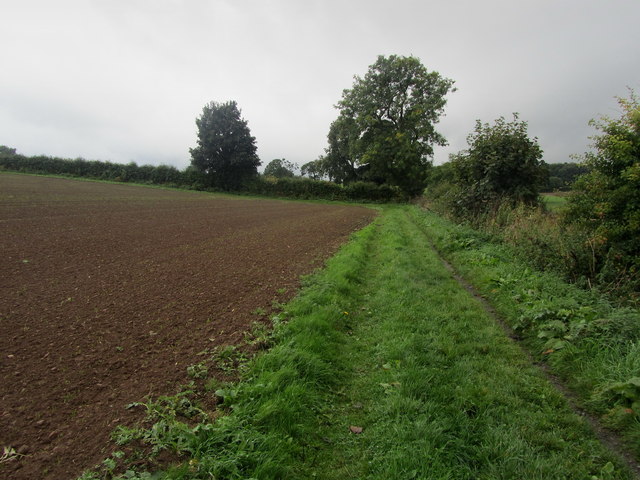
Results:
[438, 389]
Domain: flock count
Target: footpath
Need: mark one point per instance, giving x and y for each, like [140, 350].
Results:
[436, 390]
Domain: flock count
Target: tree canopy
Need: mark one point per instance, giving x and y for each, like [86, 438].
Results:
[501, 163]
[280, 168]
[563, 175]
[314, 169]
[386, 124]
[4, 150]
[226, 151]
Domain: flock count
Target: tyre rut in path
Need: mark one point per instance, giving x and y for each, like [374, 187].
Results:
[110, 291]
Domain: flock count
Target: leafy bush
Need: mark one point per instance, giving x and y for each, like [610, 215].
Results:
[606, 202]
[501, 164]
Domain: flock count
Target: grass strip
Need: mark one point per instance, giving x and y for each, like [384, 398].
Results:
[387, 368]
[593, 346]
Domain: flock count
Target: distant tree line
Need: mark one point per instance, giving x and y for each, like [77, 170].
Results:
[563, 175]
[117, 172]
[192, 178]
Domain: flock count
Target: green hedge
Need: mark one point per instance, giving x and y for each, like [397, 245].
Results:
[306, 188]
[297, 187]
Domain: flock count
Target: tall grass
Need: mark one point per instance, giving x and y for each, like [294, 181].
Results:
[548, 240]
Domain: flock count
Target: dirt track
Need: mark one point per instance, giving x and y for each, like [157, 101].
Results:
[108, 292]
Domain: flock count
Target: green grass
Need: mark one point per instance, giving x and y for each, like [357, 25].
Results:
[386, 340]
[593, 346]
[437, 387]
[554, 203]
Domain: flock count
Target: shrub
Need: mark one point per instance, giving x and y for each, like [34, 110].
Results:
[606, 202]
[501, 164]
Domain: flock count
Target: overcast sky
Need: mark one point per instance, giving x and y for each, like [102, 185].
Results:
[124, 80]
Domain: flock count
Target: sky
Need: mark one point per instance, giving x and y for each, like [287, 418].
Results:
[124, 80]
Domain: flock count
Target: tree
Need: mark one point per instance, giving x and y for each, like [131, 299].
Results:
[226, 151]
[387, 122]
[280, 168]
[501, 163]
[340, 163]
[563, 175]
[314, 169]
[7, 151]
[606, 201]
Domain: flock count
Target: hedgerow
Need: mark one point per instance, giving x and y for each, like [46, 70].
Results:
[294, 187]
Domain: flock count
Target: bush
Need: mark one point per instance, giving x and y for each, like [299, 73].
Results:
[606, 201]
[501, 164]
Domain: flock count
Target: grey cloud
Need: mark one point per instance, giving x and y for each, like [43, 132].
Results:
[124, 80]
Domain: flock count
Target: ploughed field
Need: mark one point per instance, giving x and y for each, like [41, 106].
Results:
[109, 292]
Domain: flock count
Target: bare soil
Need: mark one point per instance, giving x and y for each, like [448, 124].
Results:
[108, 293]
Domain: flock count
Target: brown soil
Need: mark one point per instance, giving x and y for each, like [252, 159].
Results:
[110, 291]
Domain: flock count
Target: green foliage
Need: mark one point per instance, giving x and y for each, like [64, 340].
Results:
[313, 169]
[588, 342]
[501, 163]
[307, 188]
[387, 124]
[280, 168]
[340, 163]
[226, 151]
[606, 202]
[563, 175]
[626, 393]
[7, 151]
[79, 167]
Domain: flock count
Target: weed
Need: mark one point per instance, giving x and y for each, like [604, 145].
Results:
[626, 394]
[213, 384]
[198, 370]
[9, 454]
[260, 335]
[123, 435]
[229, 359]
